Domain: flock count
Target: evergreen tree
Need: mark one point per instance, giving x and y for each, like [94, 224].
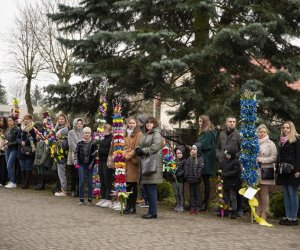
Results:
[3, 96]
[36, 96]
[222, 47]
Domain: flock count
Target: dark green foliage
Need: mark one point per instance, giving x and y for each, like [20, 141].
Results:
[164, 190]
[277, 205]
[36, 96]
[221, 47]
[3, 96]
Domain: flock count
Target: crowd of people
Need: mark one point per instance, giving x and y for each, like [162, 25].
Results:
[59, 146]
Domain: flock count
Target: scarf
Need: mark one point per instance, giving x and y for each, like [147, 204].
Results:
[263, 140]
[129, 131]
[27, 128]
[283, 139]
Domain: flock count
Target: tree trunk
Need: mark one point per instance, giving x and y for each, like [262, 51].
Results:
[201, 74]
[28, 96]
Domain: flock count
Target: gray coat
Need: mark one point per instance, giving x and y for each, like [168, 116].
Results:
[74, 136]
[152, 143]
[232, 140]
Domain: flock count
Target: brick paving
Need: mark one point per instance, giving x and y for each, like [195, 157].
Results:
[39, 220]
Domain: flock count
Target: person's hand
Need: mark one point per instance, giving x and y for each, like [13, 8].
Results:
[297, 174]
[139, 152]
[259, 159]
[76, 166]
[22, 143]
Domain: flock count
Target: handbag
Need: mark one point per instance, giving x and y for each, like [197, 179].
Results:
[267, 174]
[285, 168]
[148, 165]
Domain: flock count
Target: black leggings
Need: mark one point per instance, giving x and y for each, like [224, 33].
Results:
[132, 187]
[206, 183]
[3, 170]
[106, 179]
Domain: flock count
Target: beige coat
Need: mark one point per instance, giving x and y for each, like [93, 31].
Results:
[132, 161]
[268, 153]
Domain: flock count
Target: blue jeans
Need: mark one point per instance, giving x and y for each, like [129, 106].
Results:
[11, 156]
[26, 164]
[151, 192]
[291, 201]
[144, 195]
[82, 171]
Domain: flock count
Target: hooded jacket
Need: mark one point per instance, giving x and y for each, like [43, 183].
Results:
[74, 136]
[231, 169]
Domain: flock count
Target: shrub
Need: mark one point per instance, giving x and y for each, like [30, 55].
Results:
[277, 205]
[164, 190]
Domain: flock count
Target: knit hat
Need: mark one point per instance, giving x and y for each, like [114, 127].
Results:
[87, 130]
[142, 119]
[181, 148]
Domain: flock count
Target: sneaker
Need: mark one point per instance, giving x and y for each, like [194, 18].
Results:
[106, 204]
[60, 194]
[1, 185]
[11, 185]
[181, 209]
[113, 204]
[291, 222]
[144, 205]
[100, 202]
[90, 203]
[117, 207]
[81, 203]
[283, 221]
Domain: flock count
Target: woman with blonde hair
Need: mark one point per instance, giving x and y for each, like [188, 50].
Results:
[288, 171]
[207, 140]
[132, 138]
[266, 158]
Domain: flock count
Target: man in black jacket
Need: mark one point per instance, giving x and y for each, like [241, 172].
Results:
[230, 137]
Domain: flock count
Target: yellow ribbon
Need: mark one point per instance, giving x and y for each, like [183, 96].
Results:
[253, 203]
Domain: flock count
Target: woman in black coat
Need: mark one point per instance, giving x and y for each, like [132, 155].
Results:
[288, 171]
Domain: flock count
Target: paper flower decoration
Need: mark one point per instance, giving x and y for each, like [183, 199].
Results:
[249, 140]
[169, 164]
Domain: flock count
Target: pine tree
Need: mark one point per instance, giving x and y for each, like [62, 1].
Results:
[222, 47]
[36, 96]
[3, 94]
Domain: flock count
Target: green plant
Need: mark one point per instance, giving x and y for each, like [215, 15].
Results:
[277, 205]
[164, 190]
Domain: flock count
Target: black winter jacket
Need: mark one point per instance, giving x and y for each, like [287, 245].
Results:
[104, 147]
[180, 171]
[193, 169]
[231, 171]
[85, 153]
[26, 137]
[289, 153]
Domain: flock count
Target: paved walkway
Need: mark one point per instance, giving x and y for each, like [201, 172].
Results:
[38, 220]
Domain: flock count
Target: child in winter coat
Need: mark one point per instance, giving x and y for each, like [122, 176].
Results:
[192, 172]
[231, 171]
[85, 154]
[179, 182]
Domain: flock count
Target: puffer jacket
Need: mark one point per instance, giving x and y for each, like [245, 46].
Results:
[193, 169]
[231, 169]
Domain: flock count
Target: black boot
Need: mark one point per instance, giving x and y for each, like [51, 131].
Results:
[203, 207]
[24, 177]
[27, 180]
[43, 182]
[233, 214]
[41, 185]
[38, 182]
